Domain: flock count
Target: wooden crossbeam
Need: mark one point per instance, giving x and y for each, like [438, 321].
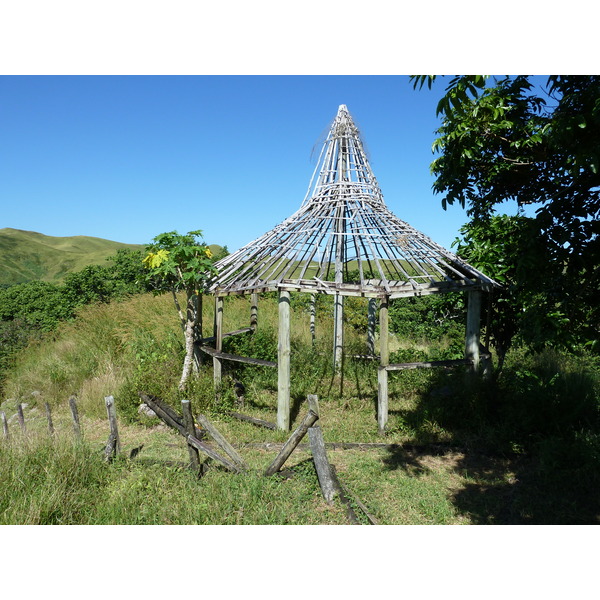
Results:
[235, 358]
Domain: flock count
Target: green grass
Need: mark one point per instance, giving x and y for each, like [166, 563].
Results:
[517, 450]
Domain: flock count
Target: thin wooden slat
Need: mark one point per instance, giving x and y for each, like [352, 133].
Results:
[235, 358]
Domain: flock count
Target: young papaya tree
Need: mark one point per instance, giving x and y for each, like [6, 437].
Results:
[178, 263]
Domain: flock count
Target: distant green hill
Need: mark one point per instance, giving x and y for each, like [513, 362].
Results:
[30, 256]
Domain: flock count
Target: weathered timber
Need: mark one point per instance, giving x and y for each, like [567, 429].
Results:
[112, 421]
[211, 340]
[235, 358]
[21, 418]
[218, 335]
[110, 450]
[384, 353]
[190, 429]
[167, 414]
[322, 466]
[203, 447]
[221, 441]
[252, 420]
[292, 442]
[75, 415]
[4, 425]
[313, 403]
[283, 362]
[49, 419]
[429, 365]
[162, 414]
[352, 517]
[371, 322]
[372, 520]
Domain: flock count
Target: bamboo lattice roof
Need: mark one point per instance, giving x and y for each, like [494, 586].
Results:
[344, 239]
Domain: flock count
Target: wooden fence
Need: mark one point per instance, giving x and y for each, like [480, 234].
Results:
[195, 429]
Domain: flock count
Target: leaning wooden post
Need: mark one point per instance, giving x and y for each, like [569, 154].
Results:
[4, 425]
[75, 414]
[322, 466]
[190, 428]
[254, 310]
[292, 442]
[221, 441]
[198, 335]
[112, 421]
[382, 374]
[283, 363]
[371, 321]
[21, 418]
[49, 418]
[473, 328]
[218, 334]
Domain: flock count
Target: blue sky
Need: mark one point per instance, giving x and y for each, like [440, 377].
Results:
[128, 157]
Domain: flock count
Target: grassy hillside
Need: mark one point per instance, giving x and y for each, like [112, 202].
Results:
[30, 256]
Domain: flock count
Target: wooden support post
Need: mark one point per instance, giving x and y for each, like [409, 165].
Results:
[371, 321]
[4, 425]
[112, 421]
[473, 328]
[221, 441]
[75, 414]
[338, 336]
[254, 311]
[313, 316]
[21, 418]
[382, 376]
[49, 418]
[218, 334]
[322, 466]
[283, 363]
[292, 442]
[190, 428]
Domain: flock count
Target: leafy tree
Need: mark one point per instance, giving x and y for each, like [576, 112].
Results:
[175, 263]
[510, 139]
[126, 272]
[91, 284]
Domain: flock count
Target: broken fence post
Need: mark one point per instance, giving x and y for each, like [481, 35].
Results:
[49, 418]
[75, 413]
[188, 423]
[21, 418]
[113, 446]
[292, 442]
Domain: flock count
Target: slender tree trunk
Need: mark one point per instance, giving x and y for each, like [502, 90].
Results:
[189, 332]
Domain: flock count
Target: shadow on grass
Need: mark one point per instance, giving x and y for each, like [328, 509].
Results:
[519, 451]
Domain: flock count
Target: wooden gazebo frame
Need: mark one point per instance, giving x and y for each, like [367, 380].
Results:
[343, 241]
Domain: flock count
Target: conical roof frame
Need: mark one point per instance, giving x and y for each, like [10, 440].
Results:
[344, 239]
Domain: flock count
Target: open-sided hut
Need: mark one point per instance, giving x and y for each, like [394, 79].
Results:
[344, 241]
